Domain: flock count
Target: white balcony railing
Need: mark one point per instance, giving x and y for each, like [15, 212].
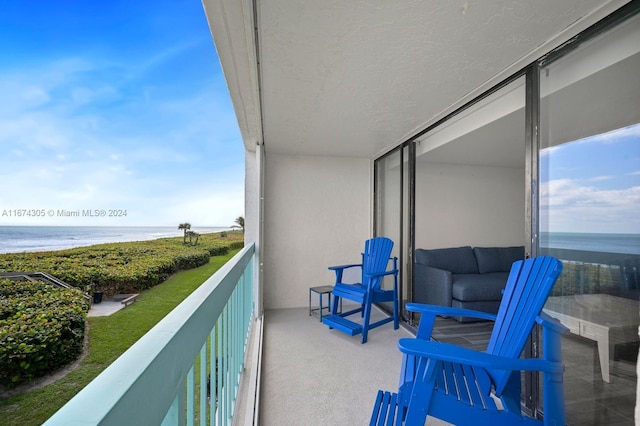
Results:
[165, 377]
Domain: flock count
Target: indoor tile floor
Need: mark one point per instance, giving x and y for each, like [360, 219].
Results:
[589, 400]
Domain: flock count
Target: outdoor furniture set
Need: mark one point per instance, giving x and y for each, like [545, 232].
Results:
[452, 383]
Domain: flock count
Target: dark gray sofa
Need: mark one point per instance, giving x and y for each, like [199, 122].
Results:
[464, 277]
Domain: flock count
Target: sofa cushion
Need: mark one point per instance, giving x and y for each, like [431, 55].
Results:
[479, 287]
[458, 260]
[497, 259]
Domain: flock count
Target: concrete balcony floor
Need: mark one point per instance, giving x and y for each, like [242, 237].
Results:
[315, 376]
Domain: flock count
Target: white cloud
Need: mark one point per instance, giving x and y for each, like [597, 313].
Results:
[34, 96]
[143, 175]
[164, 56]
[79, 133]
[572, 207]
[549, 151]
[601, 178]
[204, 207]
[617, 135]
[110, 128]
[83, 95]
[147, 203]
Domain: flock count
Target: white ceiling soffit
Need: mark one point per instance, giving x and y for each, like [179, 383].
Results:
[231, 23]
[355, 77]
[491, 132]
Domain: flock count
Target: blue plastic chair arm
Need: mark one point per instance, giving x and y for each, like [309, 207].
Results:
[353, 265]
[456, 354]
[449, 311]
[551, 323]
[380, 274]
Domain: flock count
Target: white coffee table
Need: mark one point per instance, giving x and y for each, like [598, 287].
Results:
[600, 317]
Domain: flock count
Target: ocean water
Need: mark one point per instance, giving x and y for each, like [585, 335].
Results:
[15, 239]
[604, 243]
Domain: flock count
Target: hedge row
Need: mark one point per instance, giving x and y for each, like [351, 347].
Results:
[41, 329]
[122, 267]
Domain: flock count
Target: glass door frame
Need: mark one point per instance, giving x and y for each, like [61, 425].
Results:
[406, 225]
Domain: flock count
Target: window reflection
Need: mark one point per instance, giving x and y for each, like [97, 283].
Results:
[589, 199]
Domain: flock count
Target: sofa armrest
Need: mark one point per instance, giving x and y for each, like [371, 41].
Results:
[432, 286]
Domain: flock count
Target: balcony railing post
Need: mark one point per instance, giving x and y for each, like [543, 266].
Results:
[216, 371]
[205, 385]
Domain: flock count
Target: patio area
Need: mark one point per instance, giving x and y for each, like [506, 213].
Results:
[314, 376]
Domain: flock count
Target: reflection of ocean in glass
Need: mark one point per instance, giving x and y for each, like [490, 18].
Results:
[15, 239]
[607, 243]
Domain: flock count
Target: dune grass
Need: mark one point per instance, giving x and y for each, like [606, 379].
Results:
[109, 337]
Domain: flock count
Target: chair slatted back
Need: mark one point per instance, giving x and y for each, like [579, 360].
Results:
[526, 292]
[375, 259]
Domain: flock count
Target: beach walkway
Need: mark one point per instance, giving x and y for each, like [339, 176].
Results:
[107, 307]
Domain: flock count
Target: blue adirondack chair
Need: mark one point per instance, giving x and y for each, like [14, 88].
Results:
[375, 259]
[463, 386]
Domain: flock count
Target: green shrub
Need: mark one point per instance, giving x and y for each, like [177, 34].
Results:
[41, 329]
[236, 245]
[42, 326]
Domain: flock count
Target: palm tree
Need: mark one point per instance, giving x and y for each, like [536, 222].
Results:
[191, 235]
[240, 222]
[186, 227]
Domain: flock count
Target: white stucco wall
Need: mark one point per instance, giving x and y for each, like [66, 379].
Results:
[459, 205]
[317, 214]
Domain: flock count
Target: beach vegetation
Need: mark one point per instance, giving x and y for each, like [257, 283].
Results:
[41, 329]
[122, 268]
[193, 235]
[109, 337]
[42, 326]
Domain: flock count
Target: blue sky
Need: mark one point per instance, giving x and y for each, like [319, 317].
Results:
[115, 105]
[593, 184]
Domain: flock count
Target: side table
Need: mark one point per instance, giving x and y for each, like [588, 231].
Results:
[320, 291]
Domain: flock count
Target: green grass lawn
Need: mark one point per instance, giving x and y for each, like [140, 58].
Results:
[109, 337]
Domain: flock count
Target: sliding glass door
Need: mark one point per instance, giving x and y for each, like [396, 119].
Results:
[589, 179]
[393, 180]
[470, 175]
[548, 160]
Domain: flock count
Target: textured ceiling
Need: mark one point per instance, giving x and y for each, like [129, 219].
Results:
[353, 78]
